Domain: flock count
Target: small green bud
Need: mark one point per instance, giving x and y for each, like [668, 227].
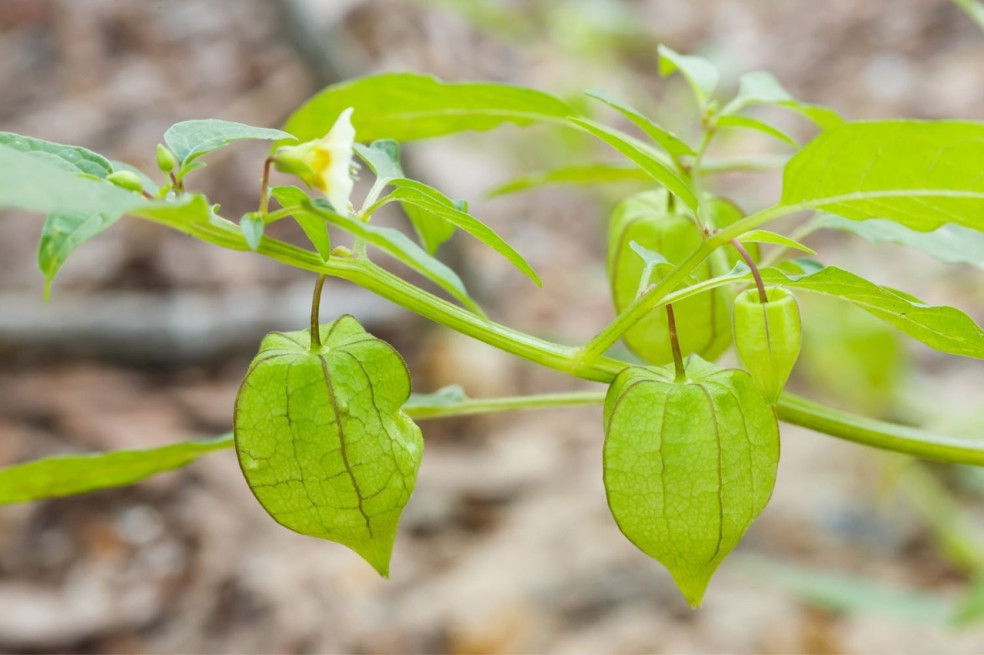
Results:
[166, 161]
[768, 337]
[126, 180]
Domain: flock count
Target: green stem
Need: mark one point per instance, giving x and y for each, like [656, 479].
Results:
[763, 296]
[315, 314]
[878, 434]
[681, 372]
[574, 361]
[473, 406]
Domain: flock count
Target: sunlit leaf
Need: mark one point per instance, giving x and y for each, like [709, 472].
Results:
[191, 139]
[762, 88]
[73, 159]
[755, 124]
[67, 475]
[583, 174]
[408, 106]
[919, 174]
[643, 156]
[666, 139]
[699, 73]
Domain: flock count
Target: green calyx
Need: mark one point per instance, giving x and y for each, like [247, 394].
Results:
[297, 160]
[688, 465]
[702, 321]
[768, 337]
[322, 439]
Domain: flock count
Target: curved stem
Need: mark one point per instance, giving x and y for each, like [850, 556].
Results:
[681, 373]
[878, 434]
[763, 297]
[315, 314]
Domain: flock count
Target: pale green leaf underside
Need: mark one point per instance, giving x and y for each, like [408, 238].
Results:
[322, 439]
[946, 329]
[688, 466]
[643, 156]
[599, 173]
[953, 244]
[919, 174]
[67, 475]
[762, 88]
[191, 139]
[73, 159]
[408, 106]
[700, 74]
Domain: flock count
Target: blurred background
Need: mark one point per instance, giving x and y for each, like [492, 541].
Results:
[507, 545]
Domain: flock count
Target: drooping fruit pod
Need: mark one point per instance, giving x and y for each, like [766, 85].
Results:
[688, 465]
[703, 320]
[768, 337]
[322, 439]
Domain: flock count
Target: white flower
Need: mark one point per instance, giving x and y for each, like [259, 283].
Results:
[326, 163]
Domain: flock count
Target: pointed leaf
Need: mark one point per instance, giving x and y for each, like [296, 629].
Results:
[643, 156]
[944, 328]
[408, 106]
[73, 159]
[953, 244]
[666, 139]
[382, 157]
[764, 236]
[919, 174]
[433, 202]
[431, 229]
[755, 124]
[322, 439]
[68, 475]
[396, 244]
[252, 226]
[599, 173]
[762, 88]
[191, 139]
[701, 74]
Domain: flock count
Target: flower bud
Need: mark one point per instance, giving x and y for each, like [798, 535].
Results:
[126, 179]
[166, 161]
[768, 337]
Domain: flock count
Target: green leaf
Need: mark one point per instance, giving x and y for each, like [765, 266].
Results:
[431, 229]
[67, 475]
[382, 157]
[701, 74]
[252, 225]
[764, 236]
[688, 465]
[643, 156]
[953, 244]
[944, 328]
[758, 125]
[189, 140]
[73, 159]
[666, 139]
[762, 88]
[408, 106]
[598, 173]
[314, 227]
[919, 174]
[396, 244]
[322, 439]
[433, 202]
[40, 184]
[61, 235]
